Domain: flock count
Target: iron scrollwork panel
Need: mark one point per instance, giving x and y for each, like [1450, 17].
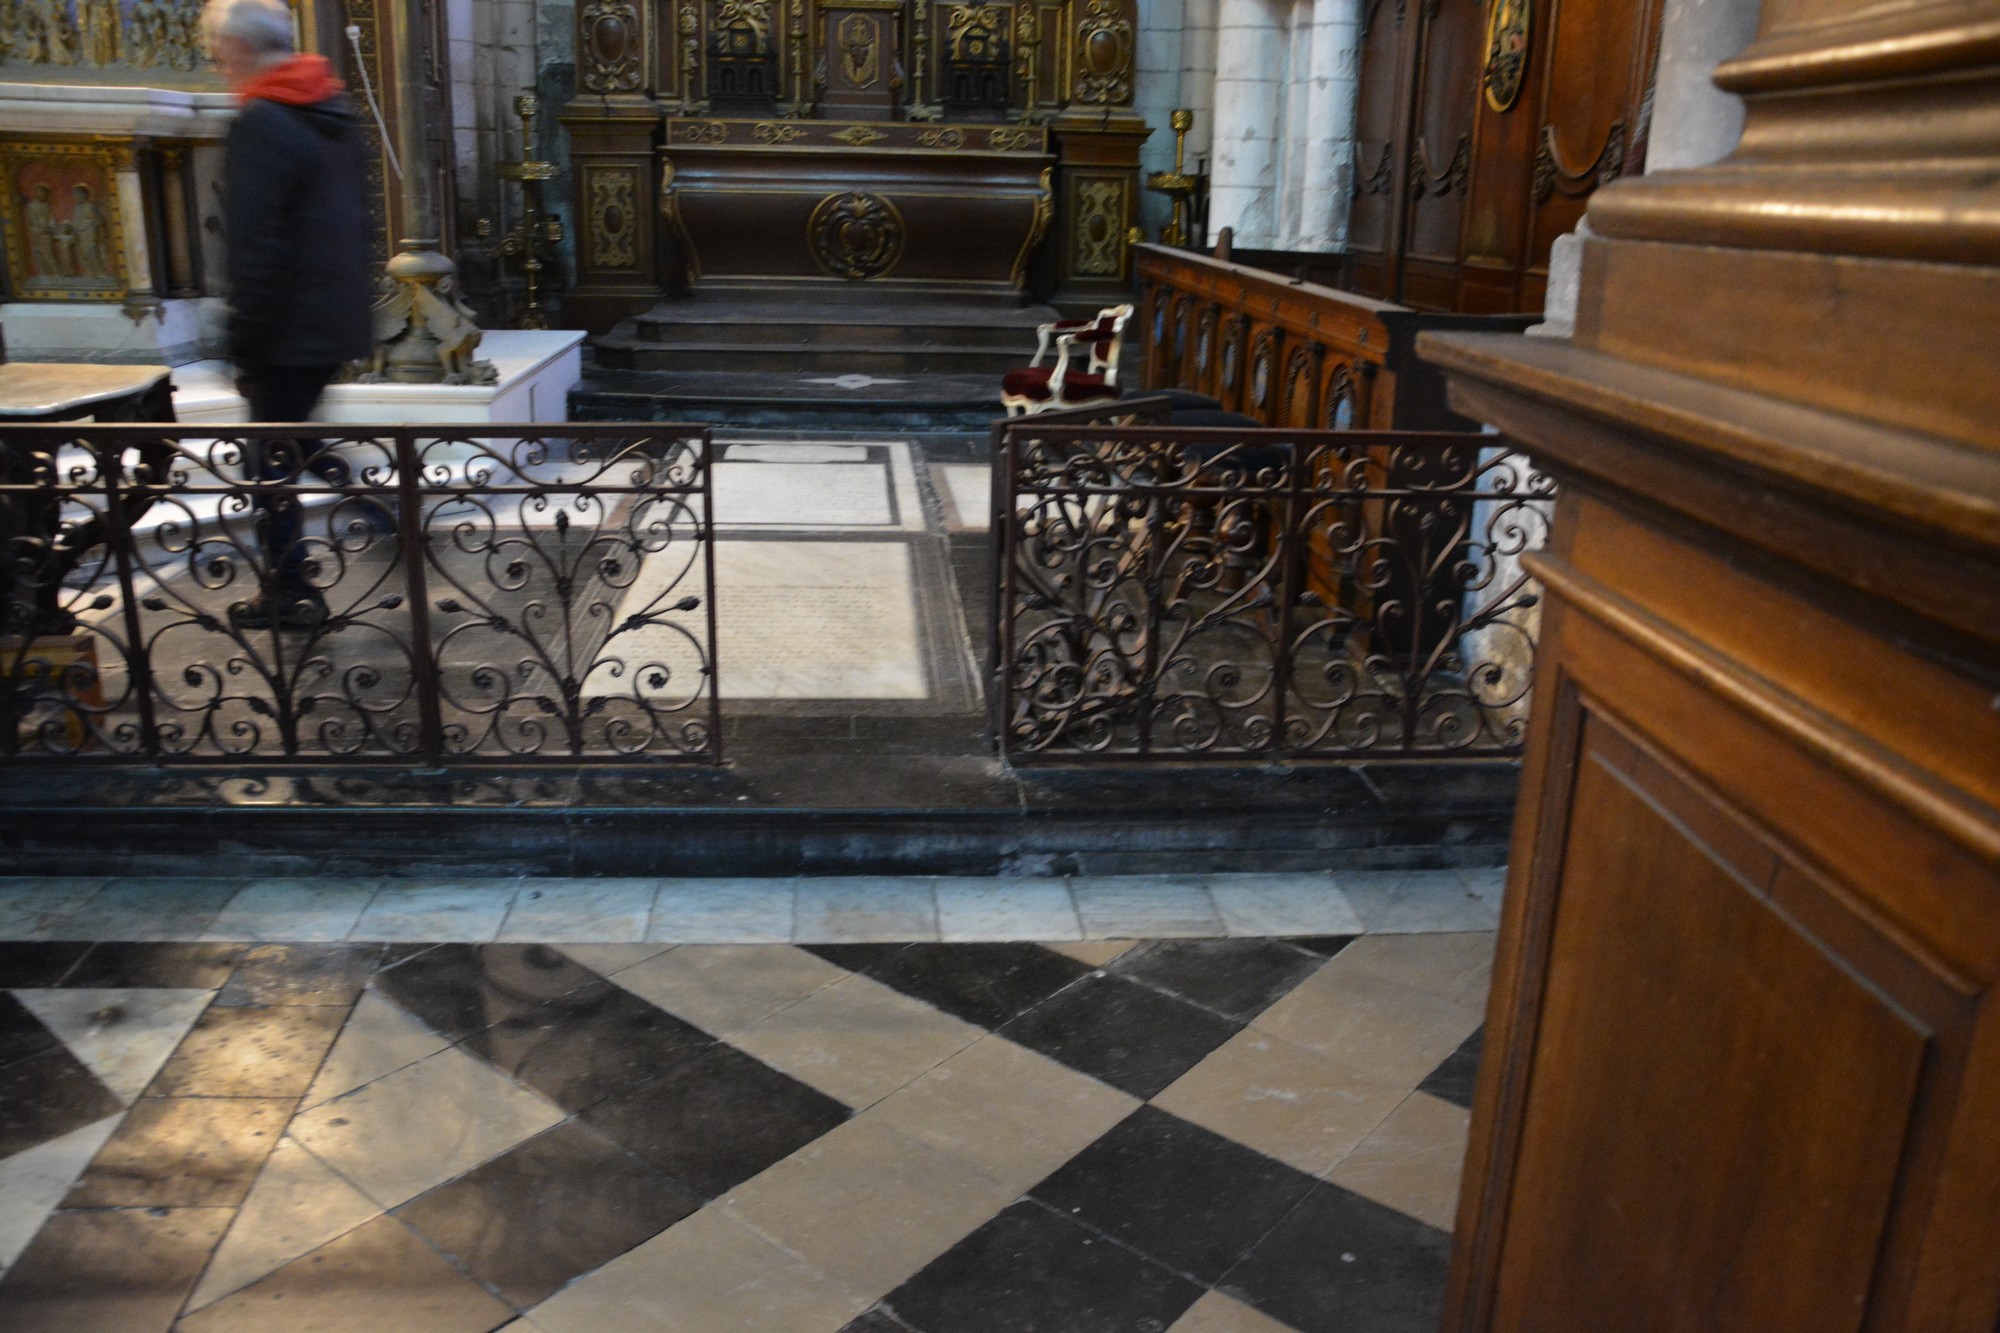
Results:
[214, 596]
[1155, 600]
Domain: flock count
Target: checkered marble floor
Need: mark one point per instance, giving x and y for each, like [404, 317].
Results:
[1200, 1134]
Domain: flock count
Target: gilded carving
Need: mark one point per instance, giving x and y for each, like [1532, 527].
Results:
[1045, 209]
[1452, 180]
[751, 15]
[1008, 141]
[944, 136]
[151, 34]
[969, 29]
[775, 132]
[614, 233]
[1506, 52]
[689, 26]
[64, 236]
[1103, 54]
[860, 51]
[855, 235]
[859, 136]
[1099, 235]
[702, 131]
[609, 46]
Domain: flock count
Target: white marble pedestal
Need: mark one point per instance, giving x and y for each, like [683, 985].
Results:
[537, 368]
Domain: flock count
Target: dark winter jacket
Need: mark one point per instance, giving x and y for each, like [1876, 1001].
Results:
[295, 218]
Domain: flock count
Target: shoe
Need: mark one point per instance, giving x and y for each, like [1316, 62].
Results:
[297, 613]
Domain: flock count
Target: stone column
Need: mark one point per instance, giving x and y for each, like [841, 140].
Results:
[1198, 76]
[141, 299]
[1695, 122]
[1249, 70]
[1294, 127]
[1334, 89]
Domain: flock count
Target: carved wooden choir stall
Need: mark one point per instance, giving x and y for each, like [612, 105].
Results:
[1742, 1063]
[821, 147]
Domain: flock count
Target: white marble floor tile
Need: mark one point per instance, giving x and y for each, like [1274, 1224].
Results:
[380, 1038]
[968, 489]
[1145, 907]
[296, 1205]
[1408, 902]
[32, 1183]
[295, 911]
[584, 911]
[422, 1125]
[770, 493]
[724, 911]
[34, 909]
[610, 959]
[794, 620]
[1487, 883]
[1005, 909]
[124, 1036]
[786, 451]
[1283, 905]
[151, 909]
[459, 911]
[864, 909]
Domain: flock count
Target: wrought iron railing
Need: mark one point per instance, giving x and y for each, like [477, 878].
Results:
[1178, 594]
[417, 595]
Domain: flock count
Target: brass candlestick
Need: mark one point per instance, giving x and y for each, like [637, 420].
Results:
[1176, 184]
[534, 239]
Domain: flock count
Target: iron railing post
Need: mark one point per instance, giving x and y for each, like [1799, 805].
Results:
[416, 585]
[138, 658]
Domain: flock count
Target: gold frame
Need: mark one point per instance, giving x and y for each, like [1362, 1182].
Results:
[14, 153]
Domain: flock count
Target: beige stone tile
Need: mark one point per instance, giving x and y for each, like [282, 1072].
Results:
[380, 1038]
[1369, 1022]
[296, 1206]
[1094, 952]
[708, 1274]
[1306, 1109]
[609, 959]
[857, 1040]
[1013, 1114]
[1217, 1313]
[1457, 967]
[868, 1206]
[1412, 1161]
[724, 988]
[422, 1125]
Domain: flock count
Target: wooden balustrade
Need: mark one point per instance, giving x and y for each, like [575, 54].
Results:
[1292, 353]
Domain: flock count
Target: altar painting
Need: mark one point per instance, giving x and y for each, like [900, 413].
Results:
[60, 211]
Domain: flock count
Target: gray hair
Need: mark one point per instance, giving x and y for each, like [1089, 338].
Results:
[262, 25]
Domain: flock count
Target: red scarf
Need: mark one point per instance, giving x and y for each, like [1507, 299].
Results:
[299, 81]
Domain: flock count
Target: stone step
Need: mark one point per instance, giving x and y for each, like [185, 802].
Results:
[809, 358]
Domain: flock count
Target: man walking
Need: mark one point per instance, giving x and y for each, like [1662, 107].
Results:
[295, 221]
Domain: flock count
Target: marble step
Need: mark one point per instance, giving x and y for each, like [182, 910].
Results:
[890, 357]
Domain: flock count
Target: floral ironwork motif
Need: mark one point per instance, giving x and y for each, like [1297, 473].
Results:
[472, 597]
[1165, 595]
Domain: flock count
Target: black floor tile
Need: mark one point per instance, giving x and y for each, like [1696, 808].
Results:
[21, 1033]
[716, 1119]
[45, 1096]
[35, 964]
[1326, 946]
[120, 1270]
[308, 974]
[546, 1211]
[1340, 1262]
[458, 989]
[1177, 1193]
[1133, 1038]
[196, 1152]
[1032, 1271]
[264, 1051]
[878, 1320]
[1454, 1079]
[1238, 979]
[186, 966]
[987, 984]
[854, 957]
[595, 1042]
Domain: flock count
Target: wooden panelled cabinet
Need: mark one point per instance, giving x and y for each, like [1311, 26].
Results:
[1743, 1053]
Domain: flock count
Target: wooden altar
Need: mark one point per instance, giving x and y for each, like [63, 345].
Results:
[835, 146]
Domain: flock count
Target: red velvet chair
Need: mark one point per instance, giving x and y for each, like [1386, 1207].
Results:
[1039, 388]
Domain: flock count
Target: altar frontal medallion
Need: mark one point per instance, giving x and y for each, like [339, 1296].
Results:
[855, 235]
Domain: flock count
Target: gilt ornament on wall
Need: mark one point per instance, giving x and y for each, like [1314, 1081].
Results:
[1100, 228]
[1506, 52]
[613, 218]
[611, 47]
[1104, 54]
[855, 235]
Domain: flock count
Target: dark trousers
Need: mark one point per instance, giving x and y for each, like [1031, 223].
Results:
[276, 394]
